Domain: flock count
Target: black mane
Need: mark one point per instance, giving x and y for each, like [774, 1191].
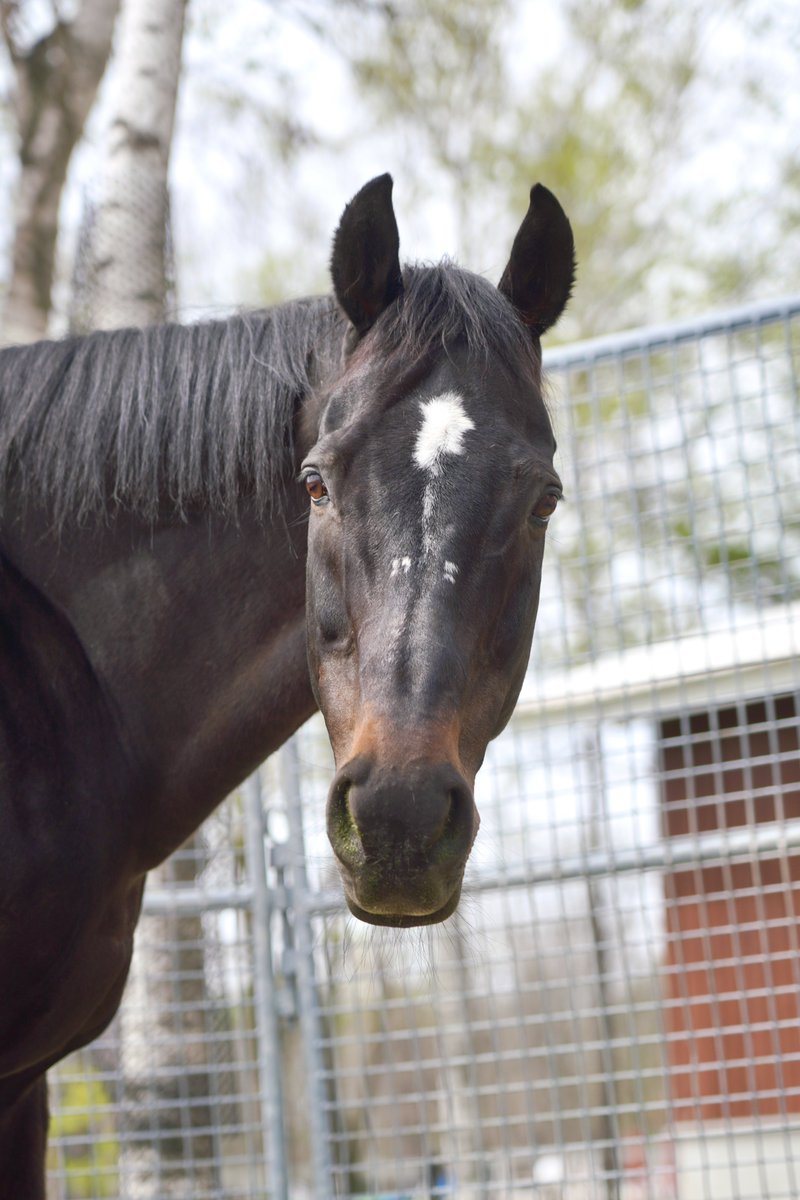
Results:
[201, 414]
[170, 412]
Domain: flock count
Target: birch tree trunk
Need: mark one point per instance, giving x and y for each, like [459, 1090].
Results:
[126, 275]
[170, 1149]
[56, 81]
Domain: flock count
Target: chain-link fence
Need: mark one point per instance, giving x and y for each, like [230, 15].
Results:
[614, 1012]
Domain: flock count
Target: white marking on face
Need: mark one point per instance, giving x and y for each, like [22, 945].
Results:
[401, 564]
[444, 424]
[450, 571]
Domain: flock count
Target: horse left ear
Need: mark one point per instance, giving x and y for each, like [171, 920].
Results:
[365, 264]
[541, 271]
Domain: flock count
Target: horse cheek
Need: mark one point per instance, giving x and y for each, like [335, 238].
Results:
[337, 683]
[513, 637]
[332, 662]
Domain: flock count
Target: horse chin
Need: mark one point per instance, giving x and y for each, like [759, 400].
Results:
[401, 920]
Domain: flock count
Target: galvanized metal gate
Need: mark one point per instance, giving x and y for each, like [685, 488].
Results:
[615, 1010]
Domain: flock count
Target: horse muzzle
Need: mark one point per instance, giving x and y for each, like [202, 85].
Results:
[402, 836]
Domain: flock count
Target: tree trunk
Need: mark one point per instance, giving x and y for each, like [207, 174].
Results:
[126, 276]
[56, 83]
[168, 1082]
[126, 270]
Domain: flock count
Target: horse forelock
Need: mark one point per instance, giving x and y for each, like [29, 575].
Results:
[444, 305]
[442, 312]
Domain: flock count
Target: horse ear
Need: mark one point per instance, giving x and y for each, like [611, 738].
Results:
[541, 271]
[365, 264]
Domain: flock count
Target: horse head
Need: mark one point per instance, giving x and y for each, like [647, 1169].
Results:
[431, 484]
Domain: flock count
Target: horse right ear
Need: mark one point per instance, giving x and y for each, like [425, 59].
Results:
[365, 264]
[541, 271]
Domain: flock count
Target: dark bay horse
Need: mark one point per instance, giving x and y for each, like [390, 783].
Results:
[173, 605]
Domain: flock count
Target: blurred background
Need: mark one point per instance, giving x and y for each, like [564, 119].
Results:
[668, 129]
[614, 1013]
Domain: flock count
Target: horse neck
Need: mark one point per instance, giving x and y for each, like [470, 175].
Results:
[233, 674]
[194, 629]
[195, 632]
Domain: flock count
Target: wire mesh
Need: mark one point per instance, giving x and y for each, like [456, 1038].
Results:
[614, 1011]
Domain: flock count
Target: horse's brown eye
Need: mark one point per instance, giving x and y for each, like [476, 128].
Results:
[545, 508]
[315, 487]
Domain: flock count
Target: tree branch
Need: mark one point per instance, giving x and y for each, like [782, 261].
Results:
[56, 83]
[8, 10]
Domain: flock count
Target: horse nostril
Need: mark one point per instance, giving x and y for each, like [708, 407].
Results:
[342, 828]
[422, 811]
[340, 793]
[448, 823]
[453, 809]
[456, 830]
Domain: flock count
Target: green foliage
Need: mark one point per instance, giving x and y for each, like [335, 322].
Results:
[85, 1123]
[662, 125]
[435, 65]
[618, 118]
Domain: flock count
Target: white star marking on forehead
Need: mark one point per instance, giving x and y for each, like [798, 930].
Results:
[444, 423]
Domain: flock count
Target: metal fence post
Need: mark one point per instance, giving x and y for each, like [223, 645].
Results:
[266, 1009]
[308, 1007]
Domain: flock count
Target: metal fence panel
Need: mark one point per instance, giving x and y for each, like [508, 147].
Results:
[614, 1011]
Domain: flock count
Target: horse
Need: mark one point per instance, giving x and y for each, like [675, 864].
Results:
[209, 531]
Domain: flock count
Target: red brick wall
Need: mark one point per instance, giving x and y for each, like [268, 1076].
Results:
[733, 957]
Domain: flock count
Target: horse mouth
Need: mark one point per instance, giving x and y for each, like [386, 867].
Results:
[400, 920]
[401, 837]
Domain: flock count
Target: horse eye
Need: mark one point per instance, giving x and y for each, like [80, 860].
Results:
[315, 487]
[545, 507]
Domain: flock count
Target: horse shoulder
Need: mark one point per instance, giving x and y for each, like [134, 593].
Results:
[68, 906]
